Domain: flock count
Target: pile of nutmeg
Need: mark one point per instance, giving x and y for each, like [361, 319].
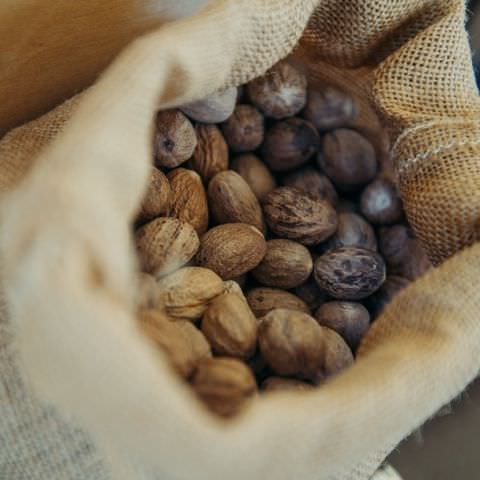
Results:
[269, 238]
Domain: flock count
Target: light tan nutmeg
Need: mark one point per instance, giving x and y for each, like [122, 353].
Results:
[158, 198]
[231, 200]
[189, 198]
[214, 108]
[185, 294]
[230, 326]
[211, 154]
[255, 173]
[225, 385]
[231, 250]
[166, 244]
[286, 264]
[263, 300]
[174, 140]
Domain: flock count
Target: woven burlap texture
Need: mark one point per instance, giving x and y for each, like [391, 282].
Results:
[70, 352]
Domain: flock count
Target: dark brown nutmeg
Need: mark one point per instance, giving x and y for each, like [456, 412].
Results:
[243, 130]
[392, 286]
[280, 93]
[311, 294]
[348, 159]
[175, 138]
[380, 202]
[289, 144]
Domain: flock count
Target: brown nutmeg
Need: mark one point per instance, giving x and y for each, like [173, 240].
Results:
[231, 200]
[198, 343]
[225, 385]
[175, 138]
[292, 343]
[243, 130]
[350, 320]
[311, 294]
[211, 153]
[158, 199]
[255, 173]
[349, 273]
[281, 384]
[348, 159]
[166, 244]
[392, 286]
[214, 108]
[292, 214]
[289, 144]
[286, 264]
[313, 183]
[231, 249]
[230, 326]
[280, 93]
[380, 202]
[328, 108]
[189, 198]
[263, 300]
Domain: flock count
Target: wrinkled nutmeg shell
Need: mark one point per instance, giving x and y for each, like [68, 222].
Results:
[280, 93]
[281, 384]
[225, 385]
[263, 300]
[175, 138]
[286, 264]
[292, 214]
[214, 108]
[289, 144]
[380, 202]
[349, 273]
[158, 199]
[243, 130]
[231, 249]
[392, 286]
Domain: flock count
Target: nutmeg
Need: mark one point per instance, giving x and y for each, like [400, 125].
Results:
[225, 385]
[350, 320]
[255, 173]
[348, 159]
[292, 214]
[286, 264]
[349, 273]
[280, 93]
[311, 294]
[328, 107]
[175, 138]
[380, 202]
[231, 249]
[231, 200]
[243, 130]
[198, 343]
[232, 286]
[157, 201]
[392, 286]
[214, 108]
[211, 153]
[289, 144]
[263, 300]
[230, 326]
[166, 244]
[282, 384]
[189, 198]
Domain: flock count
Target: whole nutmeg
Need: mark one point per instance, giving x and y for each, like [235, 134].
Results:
[281, 384]
[350, 320]
[348, 159]
[146, 290]
[175, 138]
[198, 343]
[185, 294]
[232, 286]
[392, 286]
[255, 173]
[289, 144]
[166, 244]
[352, 231]
[231, 200]
[231, 250]
[244, 130]
[225, 385]
[292, 343]
[280, 93]
[214, 108]
[211, 153]
[311, 294]
[349, 273]
[230, 326]
[263, 300]
[158, 199]
[313, 183]
[189, 198]
[328, 108]
[292, 214]
[380, 202]
[286, 264]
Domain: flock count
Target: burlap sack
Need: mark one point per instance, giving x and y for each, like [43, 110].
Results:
[82, 395]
